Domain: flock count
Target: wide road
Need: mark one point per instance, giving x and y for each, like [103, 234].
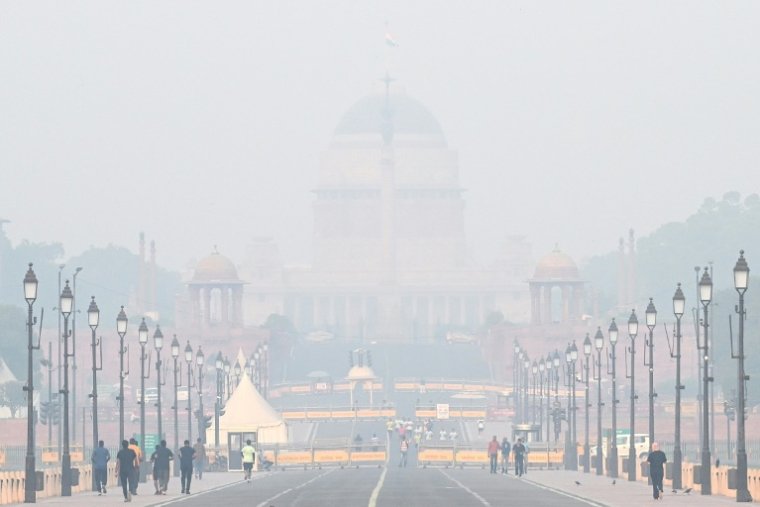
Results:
[379, 487]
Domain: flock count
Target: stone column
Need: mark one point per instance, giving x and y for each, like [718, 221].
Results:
[206, 305]
[547, 304]
[535, 304]
[195, 305]
[238, 316]
[565, 303]
[225, 303]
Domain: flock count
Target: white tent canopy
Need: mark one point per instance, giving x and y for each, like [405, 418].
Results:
[247, 411]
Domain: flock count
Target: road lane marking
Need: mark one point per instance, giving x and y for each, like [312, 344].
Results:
[376, 491]
[482, 500]
[211, 490]
[278, 495]
[593, 503]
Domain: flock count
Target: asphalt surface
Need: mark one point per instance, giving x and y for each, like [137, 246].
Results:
[379, 487]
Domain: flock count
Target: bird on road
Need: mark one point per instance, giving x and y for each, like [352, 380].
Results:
[717, 463]
[687, 490]
[614, 482]
[675, 491]
[577, 483]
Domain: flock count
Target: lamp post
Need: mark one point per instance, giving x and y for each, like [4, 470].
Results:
[93, 318]
[238, 371]
[741, 281]
[557, 420]
[59, 401]
[219, 363]
[526, 387]
[541, 369]
[175, 356]
[651, 320]
[705, 296]
[586, 446]
[265, 370]
[227, 369]
[189, 361]
[158, 342]
[142, 335]
[121, 329]
[30, 294]
[516, 381]
[534, 371]
[679, 305]
[574, 357]
[612, 469]
[65, 304]
[569, 437]
[633, 330]
[74, 352]
[199, 359]
[599, 345]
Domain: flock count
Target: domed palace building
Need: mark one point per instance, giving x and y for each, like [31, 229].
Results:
[389, 258]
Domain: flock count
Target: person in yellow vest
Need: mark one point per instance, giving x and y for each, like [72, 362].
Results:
[139, 457]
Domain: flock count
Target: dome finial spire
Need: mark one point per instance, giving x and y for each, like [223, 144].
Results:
[387, 111]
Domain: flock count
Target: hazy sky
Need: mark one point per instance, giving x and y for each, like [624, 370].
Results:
[201, 122]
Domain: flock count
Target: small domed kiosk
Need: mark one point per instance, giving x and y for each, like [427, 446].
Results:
[556, 270]
[361, 375]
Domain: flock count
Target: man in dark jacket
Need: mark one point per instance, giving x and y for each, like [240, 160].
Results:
[506, 448]
[656, 460]
[519, 451]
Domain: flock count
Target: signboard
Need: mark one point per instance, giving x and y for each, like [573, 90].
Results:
[436, 455]
[151, 441]
[368, 456]
[292, 457]
[442, 411]
[330, 456]
[473, 456]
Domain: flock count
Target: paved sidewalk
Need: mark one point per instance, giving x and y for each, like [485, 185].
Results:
[145, 492]
[600, 491]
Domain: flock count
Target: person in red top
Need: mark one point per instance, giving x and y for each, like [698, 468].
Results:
[493, 452]
[402, 432]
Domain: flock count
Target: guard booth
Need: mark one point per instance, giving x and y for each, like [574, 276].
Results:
[528, 432]
[235, 443]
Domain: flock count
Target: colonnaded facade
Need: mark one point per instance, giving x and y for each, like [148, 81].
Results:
[389, 257]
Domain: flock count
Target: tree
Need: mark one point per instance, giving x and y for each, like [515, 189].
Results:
[14, 340]
[12, 396]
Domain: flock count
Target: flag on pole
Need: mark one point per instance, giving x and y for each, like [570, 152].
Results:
[390, 40]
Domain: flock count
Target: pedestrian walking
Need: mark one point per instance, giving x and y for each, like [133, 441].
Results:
[161, 465]
[375, 442]
[200, 459]
[506, 447]
[100, 458]
[493, 453]
[519, 451]
[390, 427]
[125, 464]
[186, 458]
[136, 470]
[404, 450]
[481, 428]
[249, 458]
[657, 460]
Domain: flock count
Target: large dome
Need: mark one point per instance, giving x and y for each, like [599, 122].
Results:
[556, 266]
[411, 121]
[215, 268]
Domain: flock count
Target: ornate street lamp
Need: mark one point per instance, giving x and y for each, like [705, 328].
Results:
[526, 386]
[534, 371]
[238, 371]
[142, 336]
[66, 304]
[679, 306]
[516, 381]
[574, 357]
[121, 329]
[557, 418]
[189, 361]
[599, 345]
[741, 281]
[541, 369]
[93, 319]
[613, 466]
[633, 330]
[175, 357]
[651, 319]
[227, 369]
[30, 294]
[199, 360]
[586, 446]
[705, 296]
[219, 363]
